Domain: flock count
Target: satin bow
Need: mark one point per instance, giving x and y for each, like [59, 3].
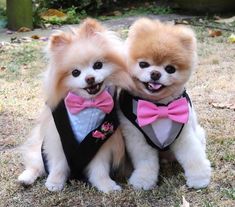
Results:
[148, 112]
[75, 103]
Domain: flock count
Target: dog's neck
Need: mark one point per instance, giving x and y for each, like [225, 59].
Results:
[174, 96]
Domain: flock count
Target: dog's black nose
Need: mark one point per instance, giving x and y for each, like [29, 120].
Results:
[90, 80]
[155, 75]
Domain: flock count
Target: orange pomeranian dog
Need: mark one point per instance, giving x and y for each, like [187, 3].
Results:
[158, 114]
[78, 135]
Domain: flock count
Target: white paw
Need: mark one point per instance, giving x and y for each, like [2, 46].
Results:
[199, 178]
[198, 182]
[27, 177]
[54, 186]
[142, 180]
[108, 186]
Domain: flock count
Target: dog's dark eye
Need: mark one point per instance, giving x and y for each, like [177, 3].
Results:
[76, 72]
[170, 69]
[97, 65]
[143, 64]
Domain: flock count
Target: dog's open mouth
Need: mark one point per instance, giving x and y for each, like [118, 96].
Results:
[153, 87]
[94, 89]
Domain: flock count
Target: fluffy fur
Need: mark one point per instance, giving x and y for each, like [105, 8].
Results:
[78, 49]
[160, 45]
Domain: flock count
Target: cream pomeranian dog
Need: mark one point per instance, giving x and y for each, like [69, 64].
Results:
[157, 114]
[78, 135]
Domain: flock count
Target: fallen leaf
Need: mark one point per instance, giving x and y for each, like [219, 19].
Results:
[201, 20]
[185, 203]
[52, 13]
[9, 32]
[185, 22]
[223, 105]
[44, 39]
[15, 40]
[217, 17]
[117, 13]
[226, 20]
[231, 38]
[26, 39]
[47, 25]
[24, 29]
[214, 33]
[35, 37]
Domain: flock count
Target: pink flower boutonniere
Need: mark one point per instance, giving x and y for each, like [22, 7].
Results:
[98, 134]
[106, 128]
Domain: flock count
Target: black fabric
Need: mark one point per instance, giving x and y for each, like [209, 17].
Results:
[126, 106]
[78, 155]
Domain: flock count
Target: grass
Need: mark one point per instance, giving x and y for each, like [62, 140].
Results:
[21, 66]
[139, 11]
[74, 17]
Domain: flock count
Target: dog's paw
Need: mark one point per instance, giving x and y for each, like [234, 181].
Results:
[54, 186]
[108, 186]
[143, 181]
[197, 183]
[199, 178]
[27, 178]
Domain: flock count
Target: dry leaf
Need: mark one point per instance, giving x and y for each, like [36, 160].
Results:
[117, 13]
[185, 22]
[223, 105]
[24, 29]
[35, 37]
[214, 33]
[9, 32]
[51, 13]
[26, 39]
[227, 20]
[2, 68]
[201, 20]
[44, 39]
[185, 203]
[231, 38]
[217, 17]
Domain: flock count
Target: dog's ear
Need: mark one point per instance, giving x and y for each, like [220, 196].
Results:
[90, 27]
[141, 27]
[59, 40]
[187, 37]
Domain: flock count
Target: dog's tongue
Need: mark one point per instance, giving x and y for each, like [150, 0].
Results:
[155, 86]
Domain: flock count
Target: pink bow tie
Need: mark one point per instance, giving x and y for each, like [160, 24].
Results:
[148, 112]
[75, 103]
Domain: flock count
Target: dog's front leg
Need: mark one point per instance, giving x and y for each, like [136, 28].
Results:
[98, 169]
[143, 156]
[57, 164]
[190, 152]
